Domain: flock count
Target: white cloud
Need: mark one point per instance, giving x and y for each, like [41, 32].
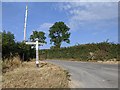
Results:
[45, 27]
[81, 13]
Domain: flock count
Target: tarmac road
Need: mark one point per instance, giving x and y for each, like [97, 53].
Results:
[90, 75]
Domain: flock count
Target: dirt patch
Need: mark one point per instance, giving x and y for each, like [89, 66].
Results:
[29, 76]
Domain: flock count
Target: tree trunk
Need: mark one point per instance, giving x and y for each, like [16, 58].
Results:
[58, 46]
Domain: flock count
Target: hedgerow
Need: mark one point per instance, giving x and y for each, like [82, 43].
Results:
[93, 51]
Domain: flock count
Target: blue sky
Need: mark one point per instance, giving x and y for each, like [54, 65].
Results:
[88, 21]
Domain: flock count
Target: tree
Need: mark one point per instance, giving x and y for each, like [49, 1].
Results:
[59, 33]
[10, 48]
[8, 44]
[40, 35]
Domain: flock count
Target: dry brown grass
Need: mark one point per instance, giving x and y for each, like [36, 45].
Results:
[11, 64]
[29, 76]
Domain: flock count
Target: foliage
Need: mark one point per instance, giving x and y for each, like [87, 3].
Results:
[101, 51]
[8, 44]
[24, 51]
[59, 33]
[10, 48]
[40, 35]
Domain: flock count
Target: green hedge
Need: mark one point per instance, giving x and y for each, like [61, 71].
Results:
[100, 51]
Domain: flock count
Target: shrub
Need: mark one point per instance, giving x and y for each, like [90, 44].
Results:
[101, 55]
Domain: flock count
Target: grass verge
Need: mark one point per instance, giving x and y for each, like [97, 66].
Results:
[29, 76]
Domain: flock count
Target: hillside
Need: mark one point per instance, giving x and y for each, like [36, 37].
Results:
[94, 51]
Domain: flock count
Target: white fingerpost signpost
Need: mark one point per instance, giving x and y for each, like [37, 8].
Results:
[37, 50]
[32, 43]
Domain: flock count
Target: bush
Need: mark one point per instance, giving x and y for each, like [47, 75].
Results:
[101, 55]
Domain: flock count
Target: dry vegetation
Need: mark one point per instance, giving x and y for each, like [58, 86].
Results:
[109, 62]
[9, 65]
[29, 76]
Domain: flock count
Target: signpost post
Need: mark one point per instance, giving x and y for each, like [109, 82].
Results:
[31, 43]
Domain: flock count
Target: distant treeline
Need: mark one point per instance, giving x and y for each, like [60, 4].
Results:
[93, 51]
